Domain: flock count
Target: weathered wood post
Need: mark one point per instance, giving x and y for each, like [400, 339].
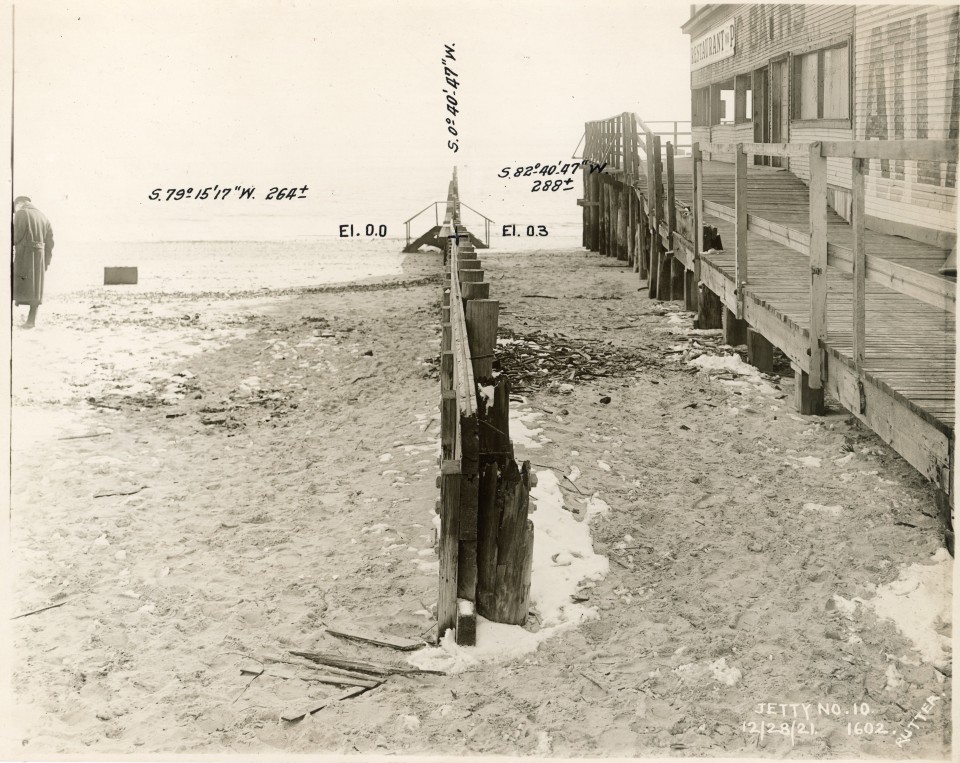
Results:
[676, 264]
[630, 143]
[740, 247]
[812, 398]
[585, 237]
[859, 265]
[691, 284]
[664, 266]
[654, 211]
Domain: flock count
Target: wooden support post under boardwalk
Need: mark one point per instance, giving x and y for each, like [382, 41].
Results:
[621, 222]
[759, 351]
[665, 278]
[643, 229]
[710, 314]
[734, 329]
[818, 263]
[602, 216]
[676, 278]
[808, 401]
[691, 301]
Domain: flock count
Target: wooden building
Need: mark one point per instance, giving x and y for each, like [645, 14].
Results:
[794, 73]
[816, 211]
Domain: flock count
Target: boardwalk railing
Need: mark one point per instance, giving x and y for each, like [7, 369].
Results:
[485, 543]
[633, 212]
[934, 291]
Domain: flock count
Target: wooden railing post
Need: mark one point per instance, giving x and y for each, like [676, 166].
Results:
[653, 213]
[632, 214]
[676, 265]
[740, 195]
[818, 264]
[585, 237]
[697, 221]
[648, 249]
[859, 265]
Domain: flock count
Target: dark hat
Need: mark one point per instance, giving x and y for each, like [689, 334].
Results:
[21, 198]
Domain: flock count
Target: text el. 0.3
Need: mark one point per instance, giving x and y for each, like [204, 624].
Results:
[377, 231]
[531, 230]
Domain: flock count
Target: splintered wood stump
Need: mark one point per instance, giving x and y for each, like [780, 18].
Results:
[504, 544]
[490, 505]
[494, 423]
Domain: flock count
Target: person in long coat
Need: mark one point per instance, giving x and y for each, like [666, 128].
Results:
[33, 250]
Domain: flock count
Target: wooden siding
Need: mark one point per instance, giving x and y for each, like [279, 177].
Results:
[906, 86]
[768, 31]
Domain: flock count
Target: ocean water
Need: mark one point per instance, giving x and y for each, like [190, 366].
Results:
[230, 266]
[221, 266]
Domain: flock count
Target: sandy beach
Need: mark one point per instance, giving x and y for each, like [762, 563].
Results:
[204, 482]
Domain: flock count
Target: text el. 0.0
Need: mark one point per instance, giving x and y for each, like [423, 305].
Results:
[348, 231]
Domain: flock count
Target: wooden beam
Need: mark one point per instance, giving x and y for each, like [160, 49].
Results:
[923, 150]
[818, 263]
[759, 149]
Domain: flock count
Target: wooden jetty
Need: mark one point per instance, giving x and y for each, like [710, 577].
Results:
[863, 315]
[485, 542]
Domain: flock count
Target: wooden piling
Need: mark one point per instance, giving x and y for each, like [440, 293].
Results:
[759, 351]
[710, 312]
[482, 316]
[691, 301]
[734, 329]
[808, 401]
[818, 263]
[514, 547]
[448, 422]
[475, 290]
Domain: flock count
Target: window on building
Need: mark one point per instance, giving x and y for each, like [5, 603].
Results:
[700, 107]
[727, 103]
[822, 84]
[743, 99]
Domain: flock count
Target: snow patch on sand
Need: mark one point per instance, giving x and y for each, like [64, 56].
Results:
[523, 435]
[733, 364]
[918, 603]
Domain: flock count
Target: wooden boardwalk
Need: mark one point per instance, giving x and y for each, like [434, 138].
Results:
[910, 345]
[862, 315]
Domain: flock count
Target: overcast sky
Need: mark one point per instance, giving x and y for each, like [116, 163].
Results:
[116, 99]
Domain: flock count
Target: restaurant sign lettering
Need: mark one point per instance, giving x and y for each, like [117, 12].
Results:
[715, 45]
